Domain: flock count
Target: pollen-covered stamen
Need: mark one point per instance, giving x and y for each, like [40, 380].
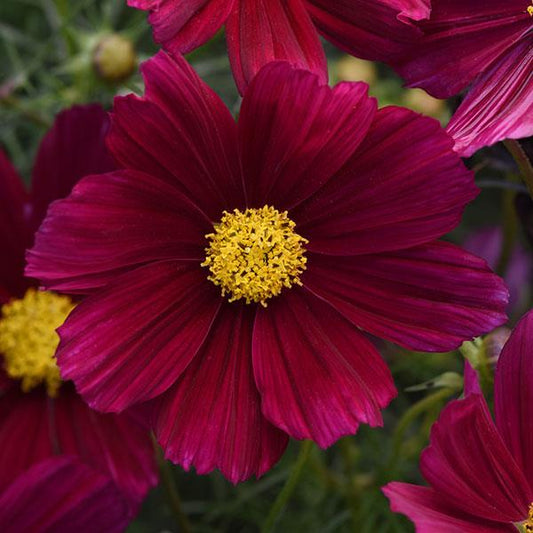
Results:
[254, 254]
[530, 9]
[527, 525]
[28, 339]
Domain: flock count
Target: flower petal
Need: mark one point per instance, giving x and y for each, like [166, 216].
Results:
[513, 394]
[424, 506]
[372, 29]
[131, 341]
[212, 417]
[116, 445]
[499, 105]
[74, 147]
[183, 25]
[15, 233]
[180, 132]
[260, 32]
[428, 298]
[461, 40]
[402, 187]
[110, 224]
[295, 133]
[468, 464]
[318, 376]
[62, 495]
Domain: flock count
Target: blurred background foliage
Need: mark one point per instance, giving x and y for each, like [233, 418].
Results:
[50, 50]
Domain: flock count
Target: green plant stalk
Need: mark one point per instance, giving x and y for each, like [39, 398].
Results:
[289, 487]
[524, 164]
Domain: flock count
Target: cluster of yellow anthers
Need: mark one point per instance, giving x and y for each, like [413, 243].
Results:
[28, 338]
[254, 254]
[530, 8]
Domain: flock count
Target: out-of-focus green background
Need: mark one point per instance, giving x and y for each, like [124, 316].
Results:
[47, 51]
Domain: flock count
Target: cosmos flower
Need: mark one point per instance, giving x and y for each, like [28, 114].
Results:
[62, 495]
[259, 32]
[479, 470]
[231, 267]
[40, 416]
[485, 46]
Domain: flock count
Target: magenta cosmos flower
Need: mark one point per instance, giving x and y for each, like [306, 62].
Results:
[40, 416]
[62, 495]
[233, 267]
[480, 471]
[486, 46]
[259, 32]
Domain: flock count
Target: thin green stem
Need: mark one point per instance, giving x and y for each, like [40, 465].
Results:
[15, 104]
[524, 164]
[289, 487]
[173, 497]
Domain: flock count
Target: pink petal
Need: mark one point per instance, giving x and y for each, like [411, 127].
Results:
[499, 105]
[260, 32]
[426, 508]
[132, 340]
[74, 147]
[469, 465]
[62, 495]
[183, 25]
[110, 224]
[115, 445]
[372, 29]
[471, 379]
[428, 298]
[15, 233]
[296, 133]
[462, 39]
[223, 427]
[318, 376]
[402, 187]
[513, 394]
[180, 132]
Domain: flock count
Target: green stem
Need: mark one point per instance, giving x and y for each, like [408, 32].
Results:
[288, 490]
[15, 104]
[408, 418]
[524, 164]
[173, 497]
[510, 229]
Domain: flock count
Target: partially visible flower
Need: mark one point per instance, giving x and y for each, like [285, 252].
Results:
[259, 32]
[41, 416]
[487, 47]
[62, 495]
[480, 472]
[487, 243]
[234, 266]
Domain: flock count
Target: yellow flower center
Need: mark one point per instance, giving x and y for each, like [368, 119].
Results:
[530, 9]
[255, 254]
[28, 338]
[527, 525]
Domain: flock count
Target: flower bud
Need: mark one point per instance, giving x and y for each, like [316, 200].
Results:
[114, 58]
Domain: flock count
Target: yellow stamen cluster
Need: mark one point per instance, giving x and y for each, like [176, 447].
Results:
[527, 525]
[255, 254]
[530, 9]
[28, 339]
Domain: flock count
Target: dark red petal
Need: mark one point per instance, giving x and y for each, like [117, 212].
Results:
[377, 30]
[73, 148]
[15, 233]
[110, 224]
[24, 432]
[62, 495]
[499, 105]
[180, 132]
[116, 445]
[132, 340]
[469, 464]
[402, 187]
[513, 394]
[462, 39]
[428, 298]
[212, 417]
[295, 133]
[260, 32]
[426, 508]
[471, 380]
[318, 376]
[183, 25]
